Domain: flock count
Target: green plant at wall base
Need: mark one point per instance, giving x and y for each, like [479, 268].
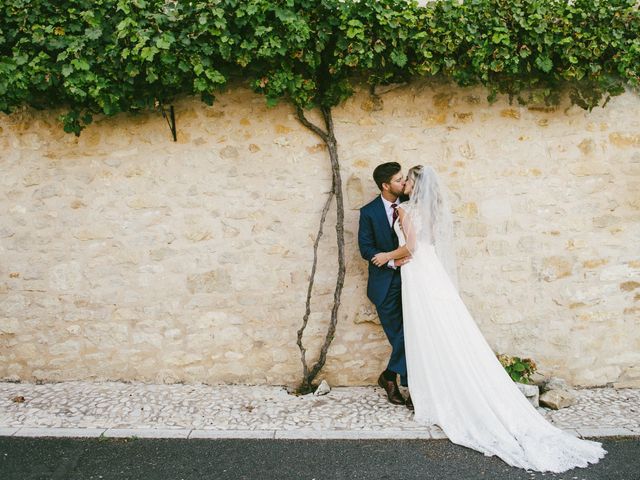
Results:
[519, 369]
[104, 57]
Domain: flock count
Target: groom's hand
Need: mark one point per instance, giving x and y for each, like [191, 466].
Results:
[380, 259]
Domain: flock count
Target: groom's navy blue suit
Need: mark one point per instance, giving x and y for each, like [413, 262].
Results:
[383, 287]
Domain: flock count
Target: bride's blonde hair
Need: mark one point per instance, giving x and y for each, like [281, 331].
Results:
[414, 173]
[429, 213]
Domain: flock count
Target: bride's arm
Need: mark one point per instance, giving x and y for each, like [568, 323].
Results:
[383, 257]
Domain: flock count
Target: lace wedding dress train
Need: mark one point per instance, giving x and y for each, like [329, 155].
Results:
[457, 383]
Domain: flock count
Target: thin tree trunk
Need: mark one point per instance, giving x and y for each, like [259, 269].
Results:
[328, 137]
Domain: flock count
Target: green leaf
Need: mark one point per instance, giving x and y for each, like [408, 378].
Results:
[148, 53]
[215, 76]
[544, 63]
[200, 85]
[80, 64]
[165, 41]
[399, 58]
[93, 33]
[162, 44]
[499, 38]
[21, 58]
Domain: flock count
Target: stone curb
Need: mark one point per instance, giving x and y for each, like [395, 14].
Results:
[184, 433]
[221, 434]
[57, 432]
[607, 432]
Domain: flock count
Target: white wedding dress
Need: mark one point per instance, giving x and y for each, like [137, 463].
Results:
[457, 383]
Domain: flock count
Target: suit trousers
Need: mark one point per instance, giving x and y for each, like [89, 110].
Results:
[390, 314]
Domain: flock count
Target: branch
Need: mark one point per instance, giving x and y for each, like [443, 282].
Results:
[328, 120]
[330, 141]
[314, 128]
[305, 319]
[337, 191]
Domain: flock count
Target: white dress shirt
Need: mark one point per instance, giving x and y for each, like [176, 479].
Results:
[389, 210]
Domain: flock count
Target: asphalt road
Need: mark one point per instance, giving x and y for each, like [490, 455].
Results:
[87, 459]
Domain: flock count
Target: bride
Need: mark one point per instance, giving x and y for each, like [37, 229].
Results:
[455, 379]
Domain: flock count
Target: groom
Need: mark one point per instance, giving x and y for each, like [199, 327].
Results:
[375, 235]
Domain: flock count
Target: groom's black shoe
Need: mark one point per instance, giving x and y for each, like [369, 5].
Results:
[391, 387]
[409, 403]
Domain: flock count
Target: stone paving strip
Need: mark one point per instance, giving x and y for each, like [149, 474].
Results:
[112, 409]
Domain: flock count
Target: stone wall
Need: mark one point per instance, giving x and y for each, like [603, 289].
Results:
[126, 256]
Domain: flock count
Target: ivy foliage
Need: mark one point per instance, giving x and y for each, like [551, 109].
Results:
[535, 49]
[109, 56]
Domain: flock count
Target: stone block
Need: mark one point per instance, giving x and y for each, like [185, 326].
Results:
[150, 338]
[554, 268]
[355, 193]
[557, 399]
[629, 286]
[531, 392]
[624, 140]
[496, 208]
[68, 348]
[468, 210]
[209, 282]
[366, 314]
[9, 326]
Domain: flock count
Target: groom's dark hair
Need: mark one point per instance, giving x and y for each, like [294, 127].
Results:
[384, 172]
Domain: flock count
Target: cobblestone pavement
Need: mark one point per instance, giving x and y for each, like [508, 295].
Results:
[201, 411]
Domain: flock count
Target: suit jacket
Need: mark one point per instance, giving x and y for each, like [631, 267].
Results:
[375, 236]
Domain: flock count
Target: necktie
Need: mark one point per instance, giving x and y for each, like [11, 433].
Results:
[394, 217]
